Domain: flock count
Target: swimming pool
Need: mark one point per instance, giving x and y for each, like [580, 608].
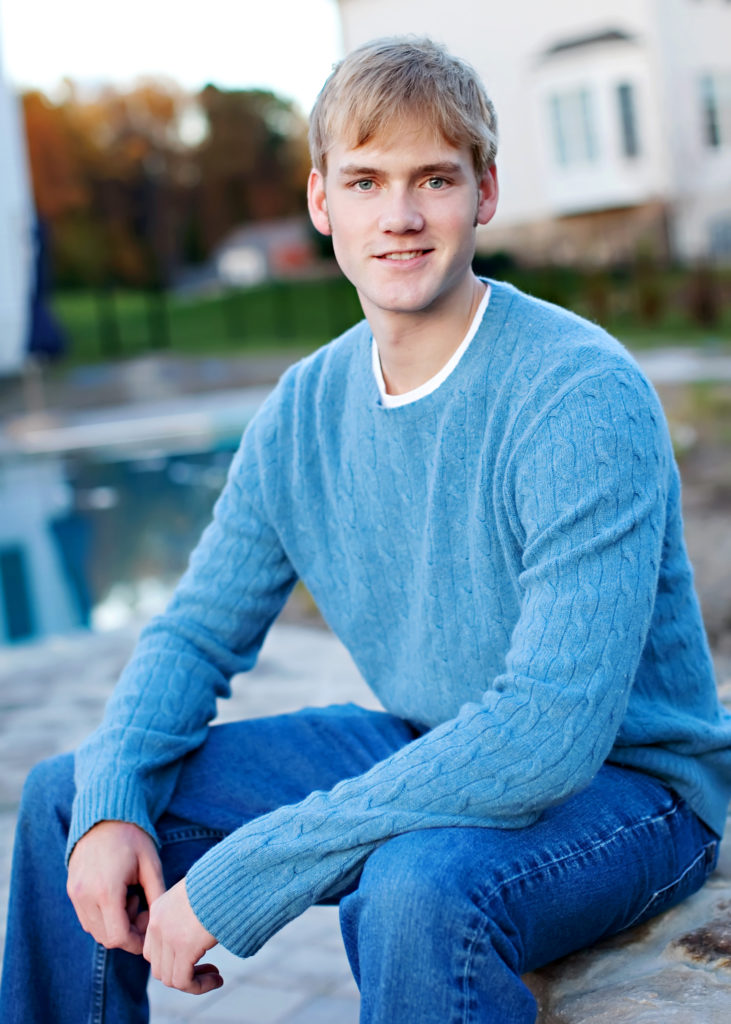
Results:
[94, 541]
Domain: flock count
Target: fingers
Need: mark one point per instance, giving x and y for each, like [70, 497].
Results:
[137, 911]
[110, 858]
[174, 969]
[115, 929]
[150, 875]
[206, 978]
[102, 912]
[174, 942]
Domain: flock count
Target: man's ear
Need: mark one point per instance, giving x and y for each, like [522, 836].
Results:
[317, 202]
[487, 196]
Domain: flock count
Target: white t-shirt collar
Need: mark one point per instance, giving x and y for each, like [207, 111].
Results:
[393, 401]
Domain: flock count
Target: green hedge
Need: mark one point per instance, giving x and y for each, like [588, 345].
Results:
[112, 324]
[642, 305]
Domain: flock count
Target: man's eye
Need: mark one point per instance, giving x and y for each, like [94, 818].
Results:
[364, 186]
[436, 183]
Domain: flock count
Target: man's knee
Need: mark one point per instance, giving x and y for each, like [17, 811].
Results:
[417, 932]
[49, 787]
[414, 887]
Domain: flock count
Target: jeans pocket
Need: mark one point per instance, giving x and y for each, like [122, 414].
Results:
[713, 848]
[182, 845]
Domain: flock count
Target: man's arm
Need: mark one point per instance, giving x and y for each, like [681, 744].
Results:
[589, 482]
[236, 583]
[126, 770]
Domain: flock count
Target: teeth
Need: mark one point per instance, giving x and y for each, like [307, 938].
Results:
[403, 255]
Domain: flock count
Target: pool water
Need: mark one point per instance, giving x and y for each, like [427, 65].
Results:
[91, 542]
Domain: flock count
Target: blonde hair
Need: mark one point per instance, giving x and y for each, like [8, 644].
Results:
[383, 82]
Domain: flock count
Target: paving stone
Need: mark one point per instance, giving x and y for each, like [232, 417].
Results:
[312, 963]
[166, 1004]
[254, 1004]
[346, 989]
[326, 1010]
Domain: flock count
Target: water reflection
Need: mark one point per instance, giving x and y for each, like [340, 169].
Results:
[88, 542]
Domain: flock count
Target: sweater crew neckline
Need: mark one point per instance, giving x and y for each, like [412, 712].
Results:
[487, 331]
[389, 401]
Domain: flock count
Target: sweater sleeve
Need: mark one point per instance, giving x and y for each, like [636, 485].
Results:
[585, 493]
[235, 585]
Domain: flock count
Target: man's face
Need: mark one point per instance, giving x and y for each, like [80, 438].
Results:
[402, 210]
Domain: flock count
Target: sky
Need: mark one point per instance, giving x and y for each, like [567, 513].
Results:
[288, 46]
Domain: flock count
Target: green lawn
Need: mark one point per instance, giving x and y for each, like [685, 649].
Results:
[301, 315]
[279, 316]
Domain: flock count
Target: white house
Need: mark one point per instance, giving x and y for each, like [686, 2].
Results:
[615, 117]
[15, 233]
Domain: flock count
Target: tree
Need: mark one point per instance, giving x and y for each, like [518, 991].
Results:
[128, 194]
[253, 161]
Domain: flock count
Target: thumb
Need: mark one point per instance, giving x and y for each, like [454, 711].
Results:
[150, 876]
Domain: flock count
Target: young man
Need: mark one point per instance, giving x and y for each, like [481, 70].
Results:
[479, 491]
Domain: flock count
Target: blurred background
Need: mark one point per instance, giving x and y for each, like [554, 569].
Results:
[158, 270]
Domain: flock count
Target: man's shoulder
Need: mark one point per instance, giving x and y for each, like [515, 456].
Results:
[547, 339]
[549, 355]
[304, 389]
[331, 361]
[554, 321]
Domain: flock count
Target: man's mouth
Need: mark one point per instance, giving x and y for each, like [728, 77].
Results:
[411, 254]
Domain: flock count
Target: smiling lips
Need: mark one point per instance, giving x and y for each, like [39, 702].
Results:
[410, 255]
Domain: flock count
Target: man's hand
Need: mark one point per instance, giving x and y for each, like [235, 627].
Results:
[106, 861]
[174, 943]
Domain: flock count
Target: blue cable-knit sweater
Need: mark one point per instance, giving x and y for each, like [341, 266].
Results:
[504, 560]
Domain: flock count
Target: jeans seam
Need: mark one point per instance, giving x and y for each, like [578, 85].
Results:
[478, 933]
[186, 833]
[635, 826]
[676, 881]
[481, 898]
[98, 973]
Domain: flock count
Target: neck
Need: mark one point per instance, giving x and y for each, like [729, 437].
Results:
[414, 347]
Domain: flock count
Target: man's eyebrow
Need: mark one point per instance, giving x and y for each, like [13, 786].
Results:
[442, 167]
[353, 170]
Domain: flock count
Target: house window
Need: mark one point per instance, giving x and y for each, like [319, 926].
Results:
[628, 120]
[720, 238]
[572, 119]
[715, 93]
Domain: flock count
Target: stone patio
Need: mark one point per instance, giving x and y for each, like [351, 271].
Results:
[53, 693]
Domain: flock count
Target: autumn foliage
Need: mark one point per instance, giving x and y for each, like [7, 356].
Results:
[136, 183]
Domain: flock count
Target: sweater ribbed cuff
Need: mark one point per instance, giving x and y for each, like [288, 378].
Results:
[105, 801]
[225, 911]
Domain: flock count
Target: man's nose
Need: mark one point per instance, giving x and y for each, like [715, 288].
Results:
[401, 212]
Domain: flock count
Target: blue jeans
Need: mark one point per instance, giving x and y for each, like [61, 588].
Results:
[442, 922]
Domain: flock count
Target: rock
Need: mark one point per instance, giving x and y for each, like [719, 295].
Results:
[670, 996]
[709, 943]
[674, 969]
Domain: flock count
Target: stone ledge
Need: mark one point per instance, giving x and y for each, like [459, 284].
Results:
[673, 969]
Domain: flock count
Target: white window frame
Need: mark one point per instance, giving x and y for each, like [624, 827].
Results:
[573, 121]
